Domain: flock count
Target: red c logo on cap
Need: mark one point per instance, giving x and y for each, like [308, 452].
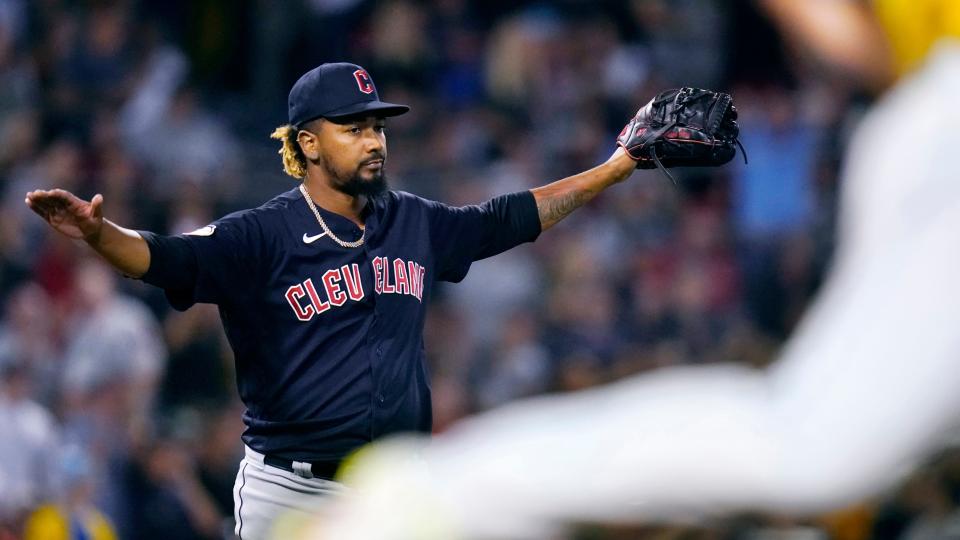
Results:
[363, 81]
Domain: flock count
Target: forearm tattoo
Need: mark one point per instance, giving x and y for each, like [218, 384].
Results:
[555, 206]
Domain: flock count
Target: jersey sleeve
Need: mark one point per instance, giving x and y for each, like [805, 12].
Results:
[461, 235]
[216, 264]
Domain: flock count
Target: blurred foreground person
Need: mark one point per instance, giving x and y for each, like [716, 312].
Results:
[865, 388]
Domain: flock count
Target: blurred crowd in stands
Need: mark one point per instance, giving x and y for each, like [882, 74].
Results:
[118, 415]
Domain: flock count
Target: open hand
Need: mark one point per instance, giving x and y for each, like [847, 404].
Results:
[68, 213]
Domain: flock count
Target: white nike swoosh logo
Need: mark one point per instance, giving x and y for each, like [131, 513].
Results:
[312, 239]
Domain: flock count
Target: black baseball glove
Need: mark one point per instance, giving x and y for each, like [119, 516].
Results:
[684, 127]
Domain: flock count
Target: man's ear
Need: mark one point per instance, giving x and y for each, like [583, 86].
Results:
[309, 144]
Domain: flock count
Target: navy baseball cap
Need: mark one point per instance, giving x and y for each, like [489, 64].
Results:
[335, 91]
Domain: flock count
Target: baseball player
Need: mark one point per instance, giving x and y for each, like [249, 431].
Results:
[864, 389]
[322, 290]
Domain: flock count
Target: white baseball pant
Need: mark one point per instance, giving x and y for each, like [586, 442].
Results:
[269, 501]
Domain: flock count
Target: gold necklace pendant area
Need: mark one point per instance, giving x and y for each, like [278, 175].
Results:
[323, 224]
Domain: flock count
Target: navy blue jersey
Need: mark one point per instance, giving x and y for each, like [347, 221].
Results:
[328, 340]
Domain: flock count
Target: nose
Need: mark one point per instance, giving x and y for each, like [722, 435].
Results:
[375, 141]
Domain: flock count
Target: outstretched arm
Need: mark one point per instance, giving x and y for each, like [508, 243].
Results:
[462, 235]
[556, 200]
[123, 248]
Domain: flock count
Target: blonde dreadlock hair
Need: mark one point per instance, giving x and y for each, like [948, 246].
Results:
[294, 162]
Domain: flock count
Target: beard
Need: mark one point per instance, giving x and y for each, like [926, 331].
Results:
[355, 185]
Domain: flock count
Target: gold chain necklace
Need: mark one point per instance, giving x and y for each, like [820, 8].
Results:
[323, 224]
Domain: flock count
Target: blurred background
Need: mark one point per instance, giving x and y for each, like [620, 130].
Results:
[119, 415]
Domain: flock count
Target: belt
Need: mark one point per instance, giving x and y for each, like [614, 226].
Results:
[306, 469]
